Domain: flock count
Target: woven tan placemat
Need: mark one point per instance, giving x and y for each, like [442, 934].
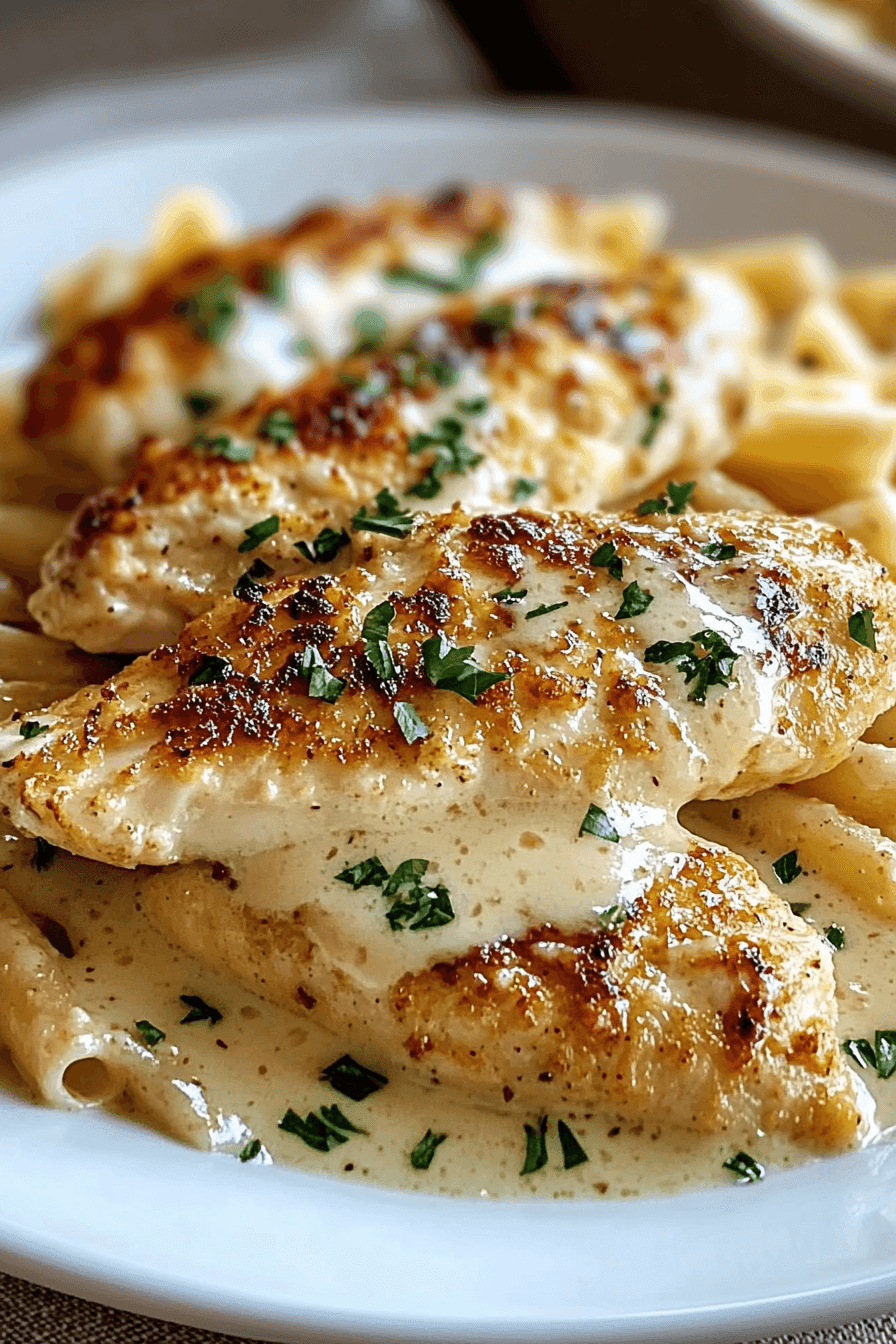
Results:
[32, 1315]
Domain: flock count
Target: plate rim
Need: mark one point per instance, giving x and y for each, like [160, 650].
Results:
[44, 1260]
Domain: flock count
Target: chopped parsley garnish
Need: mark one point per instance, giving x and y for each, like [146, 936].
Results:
[423, 1152]
[800, 907]
[368, 873]
[468, 267]
[523, 489]
[452, 669]
[259, 532]
[510, 595]
[536, 1147]
[333, 1117]
[705, 658]
[446, 375]
[606, 557]
[674, 501]
[212, 311]
[322, 685]
[611, 918]
[745, 1168]
[861, 628]
[390, 519]
[880, 1056]
[151, 1035]
[497, 319]
[656, 414]
[324, 546]
[31, 728]
[352, 1079]
[199, 1010]
[414, 905]
[453, 456]
[247, 587]
[314, 1131]
[573, 1152]
[251, 1150]
[43, 855]
[272, 283]
[305, 347]
[413, 729]
[473, 406]
[223, 445]
[596, 822]
[375, 634]
[201, 404]
[544, 610]
[635, 601]
[370, 331]
[211, 669]
[836, 936]
[279, 427]
[719, 550]
[787, 869]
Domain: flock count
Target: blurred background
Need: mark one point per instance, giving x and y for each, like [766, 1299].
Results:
[695, 55]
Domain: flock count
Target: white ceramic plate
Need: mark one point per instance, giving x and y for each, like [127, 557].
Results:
[829, 42]
[114, 1212]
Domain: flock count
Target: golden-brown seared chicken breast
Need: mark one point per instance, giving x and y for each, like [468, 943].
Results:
[438, 793]
[572, 394]
[213, 331]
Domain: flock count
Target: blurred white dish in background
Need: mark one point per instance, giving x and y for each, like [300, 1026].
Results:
[89, 1203]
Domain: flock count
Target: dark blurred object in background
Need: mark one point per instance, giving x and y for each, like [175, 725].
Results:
[687, 55]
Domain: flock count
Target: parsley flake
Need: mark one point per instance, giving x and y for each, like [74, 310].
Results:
[469, 265]
[225, 446]
[247, 587]
[211, 669]
[322, 685]
[573, 1152]
[495, 321]
[836, 936]
[452, 669]
[212, 311]
[861, 628]
[705, 659]
[536, 1147]
[201, 404]
[199, 1010]
[368, 873]
[787, 869]
[279, 427]
[544, 610]
[375, 634]
[259, 532]
[352, 1079]
[656, 414]
[606, 557]
[674, 501]
[719, 550]
[413, 729]
[43, 856]
[271, 281]
[745, 1168]
[151, 1035]
[510, 595]
[473, 406]
[415, 906]
[800, 907]
[324, 546]
[880, 1056]
[523, 488]
[453, 456]
[370, 331]
[635, 601]
[389, 519]
[31, 728]
[251, 1150]
[596, 822]
[423, 1152]
[312, 1130]
[334, 1117]
[305, 347]
[611, 918]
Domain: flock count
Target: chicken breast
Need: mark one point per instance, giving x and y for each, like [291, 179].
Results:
[433, 801]
[574, 394]
[256, 313]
